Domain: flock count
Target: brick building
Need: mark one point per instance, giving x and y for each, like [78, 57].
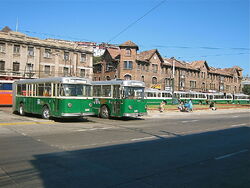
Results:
[22, 56]
[157, 72]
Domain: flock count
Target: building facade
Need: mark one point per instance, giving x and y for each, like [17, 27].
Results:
[22, 56]
[165, 73]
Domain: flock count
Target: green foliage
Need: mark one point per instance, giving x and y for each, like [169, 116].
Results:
[97, 59]
[246, 89]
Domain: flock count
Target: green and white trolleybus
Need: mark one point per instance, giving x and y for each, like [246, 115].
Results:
[53, 97]
[119, 98]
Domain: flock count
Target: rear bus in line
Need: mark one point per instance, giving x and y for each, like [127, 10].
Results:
[53, 97]
[6, 92]
[119, 98]
[240, 98]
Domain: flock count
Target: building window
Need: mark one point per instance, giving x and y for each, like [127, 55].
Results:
[82, 72]
[2, 47]
[31, 51]
[47, 53]
[128, 65]
[29, 67]
[109, 67]
[66, 56]
[83, 58]
[108, 78]
[168, 82]
[127, 77]
[128, 52]
[47, 69]
[142, 78]
[155, 68]
[16, 66]
[16, 49]
[154, 80]
[192, 84]
[2, 66]
[65, 71]
[138, 66]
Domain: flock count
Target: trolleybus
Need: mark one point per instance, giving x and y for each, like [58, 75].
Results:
[119, 98]
[240, 98]
[6, 92]
[220, 98]
[53, 97]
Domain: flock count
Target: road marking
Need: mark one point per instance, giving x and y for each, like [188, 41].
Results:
[238, 125]
[27, 123]
[94, 129]
[236, 116]
[230, 154]
[143, 138]
[190, 121]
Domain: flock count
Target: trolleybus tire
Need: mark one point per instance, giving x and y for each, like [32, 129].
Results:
[21, 109]
[46, 113]
[104, 112]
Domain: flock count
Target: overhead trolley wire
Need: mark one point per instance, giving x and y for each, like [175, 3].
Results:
[134, 22]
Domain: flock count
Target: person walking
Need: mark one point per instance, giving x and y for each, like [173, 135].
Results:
[190, 105]
[162, 106]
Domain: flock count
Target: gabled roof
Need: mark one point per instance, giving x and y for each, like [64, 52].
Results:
[114, 53]
[129, 43]
[199, 64]
[147, 55]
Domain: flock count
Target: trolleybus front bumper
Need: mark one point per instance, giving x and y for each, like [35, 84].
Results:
[77, 114]
[134, 114]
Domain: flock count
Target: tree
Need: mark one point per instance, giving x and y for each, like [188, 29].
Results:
[97, 59]
[246, 89]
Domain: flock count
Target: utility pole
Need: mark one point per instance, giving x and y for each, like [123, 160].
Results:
[173, 79]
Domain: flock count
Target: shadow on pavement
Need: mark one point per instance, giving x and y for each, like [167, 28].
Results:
[179, 161]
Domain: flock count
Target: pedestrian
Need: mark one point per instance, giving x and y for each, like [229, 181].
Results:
[162, 106]
[212, 106]
[190, 105]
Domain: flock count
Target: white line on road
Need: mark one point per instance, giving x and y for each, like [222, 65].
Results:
[230, 154]
[238, 125]
[94, 129]
[190, 121]
[143, 138]
[235, 116]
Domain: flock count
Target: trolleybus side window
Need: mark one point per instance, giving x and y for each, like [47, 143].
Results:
[21, 89]
[97, 91]
[116, 91]
[106, 91]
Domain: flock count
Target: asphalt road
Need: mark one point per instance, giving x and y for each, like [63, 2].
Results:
[199, 149]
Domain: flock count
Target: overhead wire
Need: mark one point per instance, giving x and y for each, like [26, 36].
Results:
[137, 20]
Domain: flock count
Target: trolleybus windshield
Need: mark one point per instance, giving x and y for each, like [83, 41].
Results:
[133, 93]
[72, 90]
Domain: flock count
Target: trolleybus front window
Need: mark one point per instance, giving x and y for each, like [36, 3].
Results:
[72, 90]
[133, 92]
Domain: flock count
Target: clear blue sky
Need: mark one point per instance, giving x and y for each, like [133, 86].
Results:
[179, 28]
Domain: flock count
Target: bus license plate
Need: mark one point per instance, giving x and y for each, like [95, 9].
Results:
[136, 111]
[87, 109]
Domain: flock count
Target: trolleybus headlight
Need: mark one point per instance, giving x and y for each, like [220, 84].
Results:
[90, 104]
[130, 107]
[69, 105]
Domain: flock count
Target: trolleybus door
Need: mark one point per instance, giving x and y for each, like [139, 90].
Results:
[116, 106]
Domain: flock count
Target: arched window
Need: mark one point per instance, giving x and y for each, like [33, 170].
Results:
[154, 80]
[142, 78]
[128, 52]
[127, 77]
[108, 78]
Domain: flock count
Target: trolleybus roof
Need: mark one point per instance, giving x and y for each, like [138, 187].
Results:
[68, 80]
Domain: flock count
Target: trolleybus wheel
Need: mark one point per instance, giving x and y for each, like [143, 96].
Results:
[104, 113]
[21, 109]
[45, 113]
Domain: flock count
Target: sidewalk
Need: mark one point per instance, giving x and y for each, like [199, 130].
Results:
[169, 113]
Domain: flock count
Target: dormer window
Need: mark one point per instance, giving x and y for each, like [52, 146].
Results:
[128, 52]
